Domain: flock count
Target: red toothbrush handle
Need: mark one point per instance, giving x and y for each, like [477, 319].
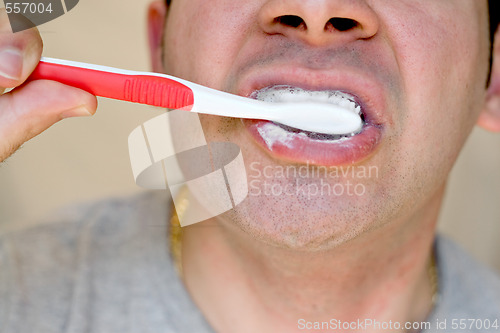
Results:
[144, 89]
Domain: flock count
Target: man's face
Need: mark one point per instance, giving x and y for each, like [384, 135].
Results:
[417, 67]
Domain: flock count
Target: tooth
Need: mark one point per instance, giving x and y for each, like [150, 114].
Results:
[293, 94]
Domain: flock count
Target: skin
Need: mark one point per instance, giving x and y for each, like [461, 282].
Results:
[29, 109]
[273, 260]
[413, 82]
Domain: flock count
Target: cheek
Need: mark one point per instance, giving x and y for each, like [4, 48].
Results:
[203, 38]
[442, 53]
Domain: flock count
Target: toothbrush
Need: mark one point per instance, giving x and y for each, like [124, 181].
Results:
[173, 93]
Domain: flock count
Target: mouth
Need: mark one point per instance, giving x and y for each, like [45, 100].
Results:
[290, 94]
[300, 146]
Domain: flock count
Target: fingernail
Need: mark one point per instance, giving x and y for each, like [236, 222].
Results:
[80, 111]
[11, 64]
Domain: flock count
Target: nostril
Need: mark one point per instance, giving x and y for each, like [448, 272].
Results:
[291, 21]
[341, 24]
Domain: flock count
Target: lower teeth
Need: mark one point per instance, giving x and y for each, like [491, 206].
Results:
[314, 135]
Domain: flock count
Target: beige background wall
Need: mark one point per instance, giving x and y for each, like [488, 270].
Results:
[83, 159]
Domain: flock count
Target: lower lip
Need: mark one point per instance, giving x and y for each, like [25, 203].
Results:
[299, 148]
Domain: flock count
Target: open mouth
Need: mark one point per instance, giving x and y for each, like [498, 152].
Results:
[302, 146]
[290, 94]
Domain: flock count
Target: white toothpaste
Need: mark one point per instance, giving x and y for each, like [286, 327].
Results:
[272, 133]
[281, 94]
[331, 103]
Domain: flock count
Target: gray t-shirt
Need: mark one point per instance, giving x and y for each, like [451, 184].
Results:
[105, 267]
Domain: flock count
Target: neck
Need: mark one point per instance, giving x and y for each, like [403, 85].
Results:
[241, 284]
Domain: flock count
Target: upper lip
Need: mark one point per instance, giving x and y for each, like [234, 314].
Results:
[367, 90]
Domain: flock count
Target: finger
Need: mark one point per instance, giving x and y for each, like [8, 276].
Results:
[29, 110]
[20, 52]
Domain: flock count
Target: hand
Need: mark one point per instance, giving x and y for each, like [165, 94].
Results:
[31, 108]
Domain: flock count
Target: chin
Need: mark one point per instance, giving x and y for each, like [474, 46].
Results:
[303, 222]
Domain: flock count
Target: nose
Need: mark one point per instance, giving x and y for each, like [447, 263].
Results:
[319, 22]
